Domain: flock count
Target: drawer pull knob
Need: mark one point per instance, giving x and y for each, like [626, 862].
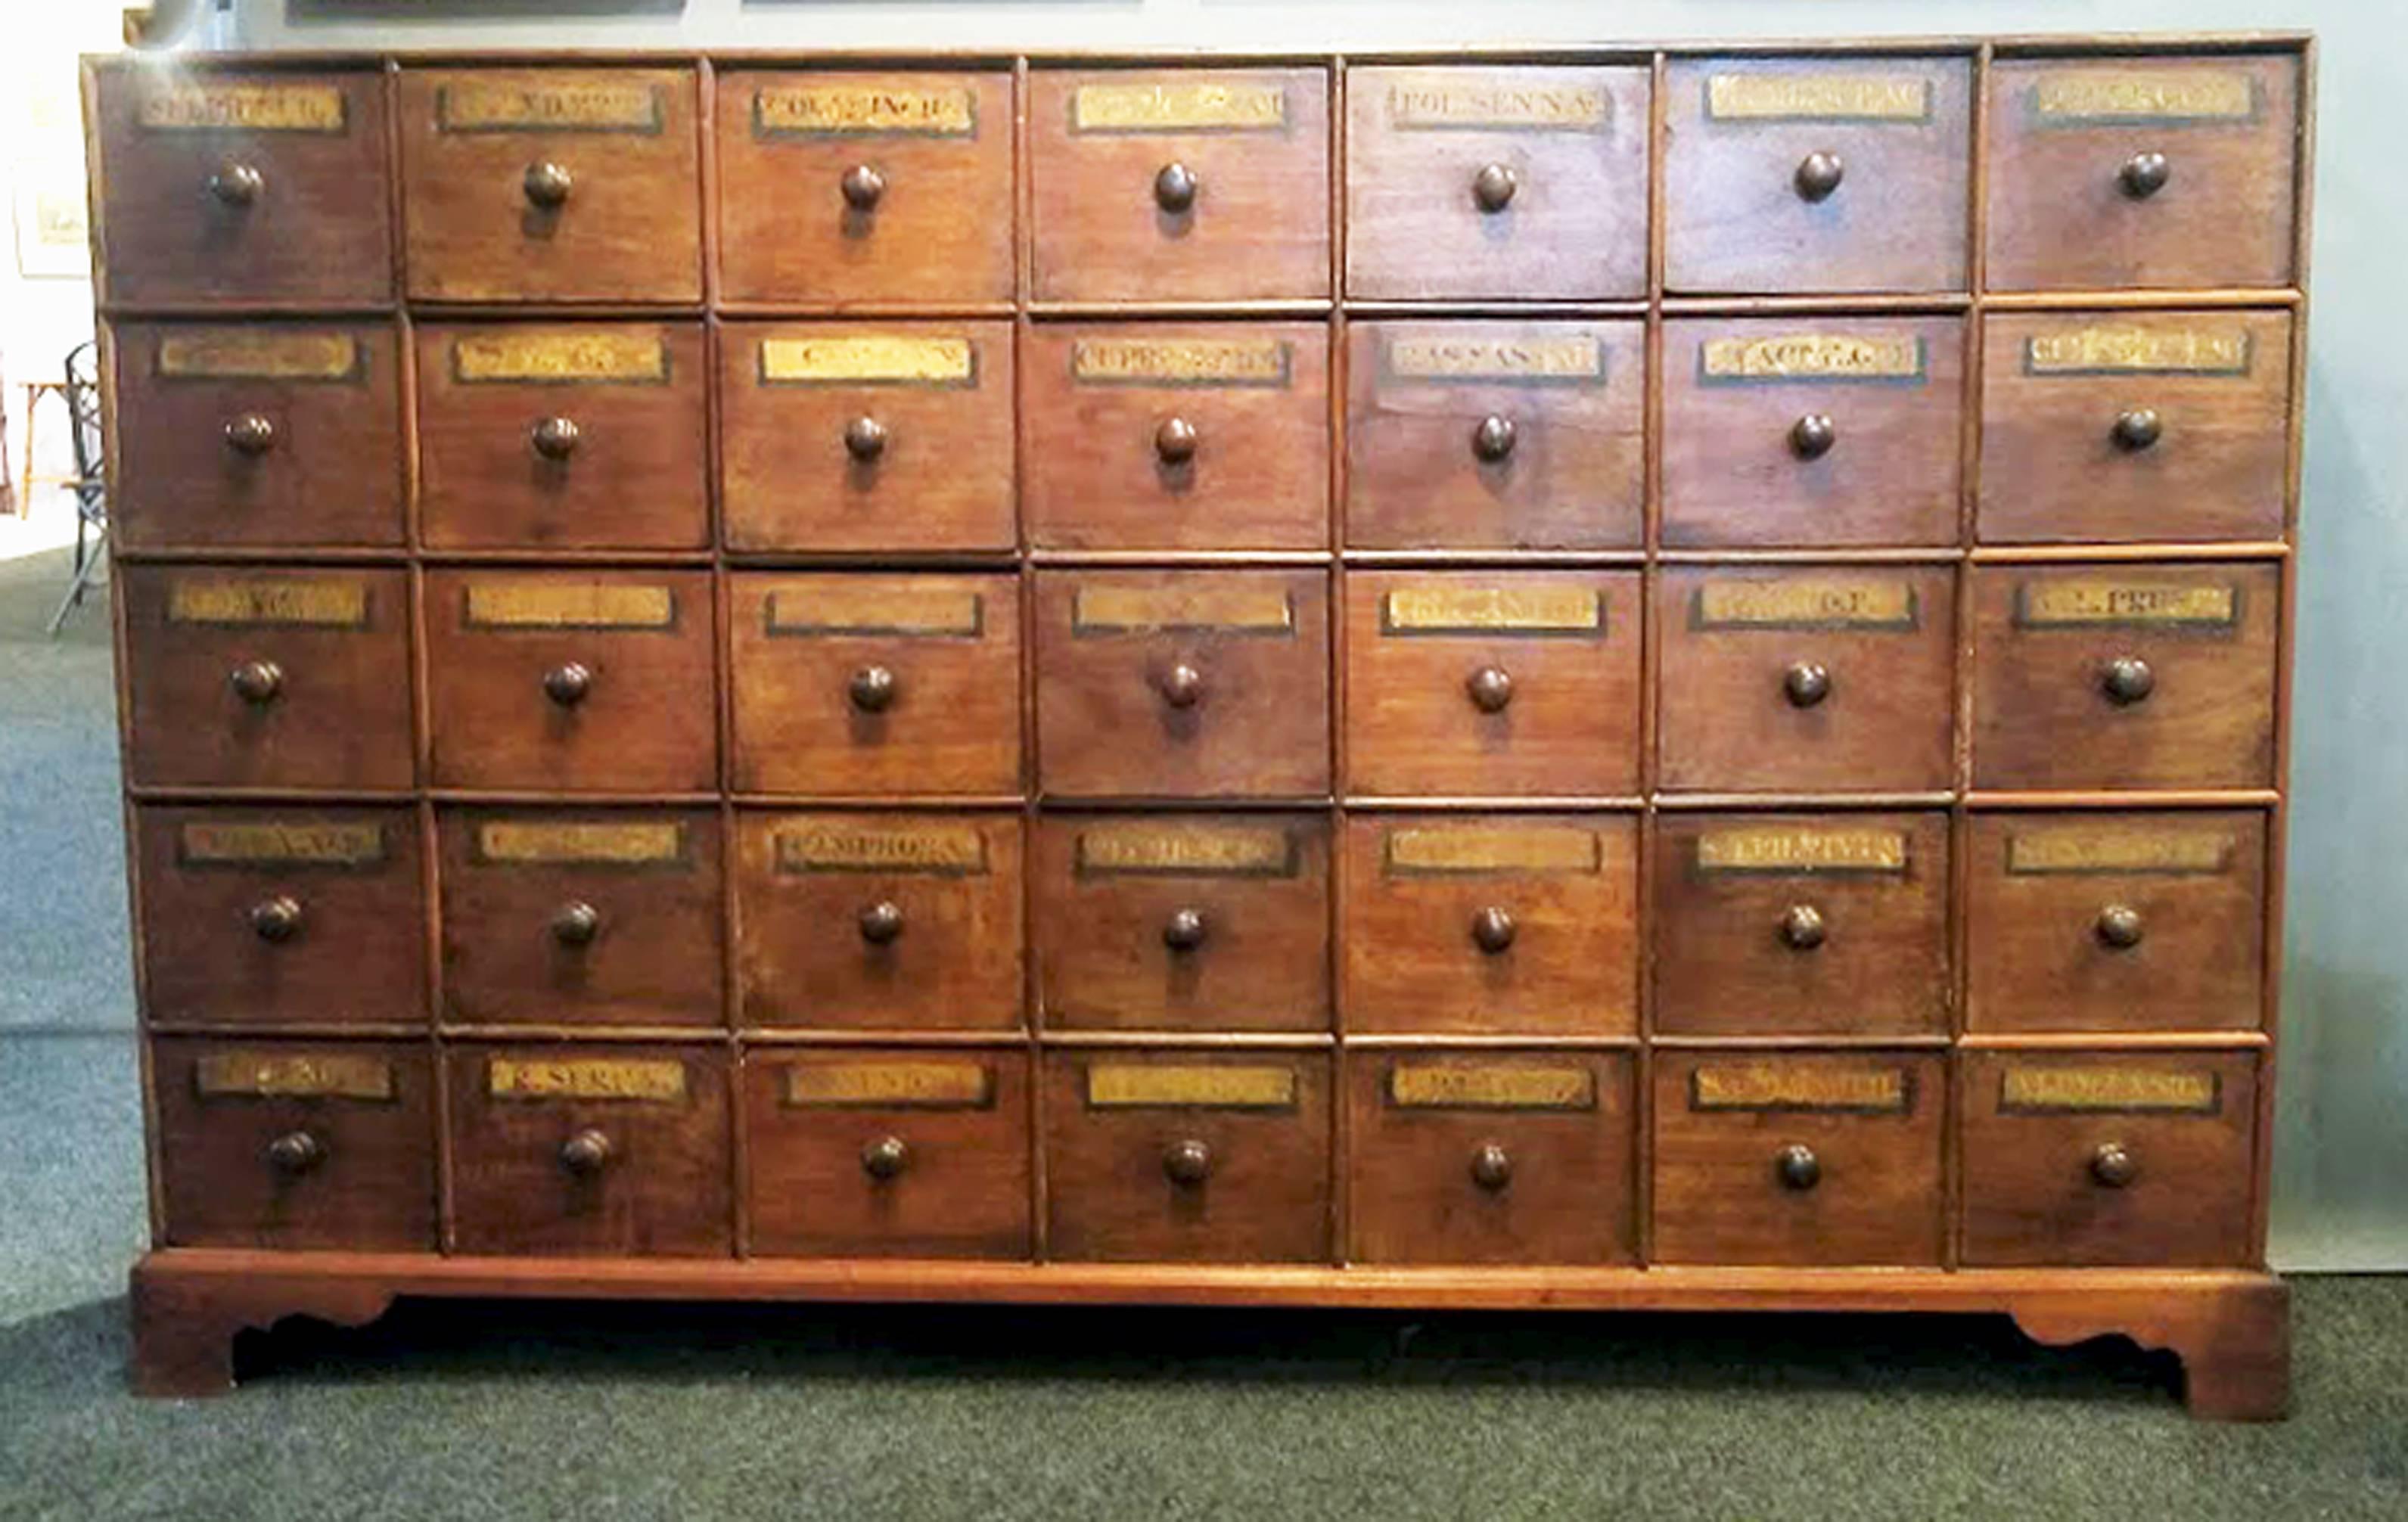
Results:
[576, 924]
[1492, 439]
[548, 185]
[865, 439]
[1812, 437]
[1806, 684]
[1797, 1166]
[277, 919]
[885, 1158]
[585, 1154]
[1491, 688]
[872, 689]
[881, 923]
[2113, 1166]
[2138, 429]
[251, 434]
[256, 682]
[567, 684]
[295, 1152]
[2144, 175]
[2118, 927]
[554, 439]
[238, 184]
[1493, 930]
[2128, 680]
[862, 186]
[1802, 927]
[1187, 1162]
[1819, 174]
[1493, 188]
[1183, 686]
[1492, 1167]
[1185, 930]
[1175, 187]
[1175, 440]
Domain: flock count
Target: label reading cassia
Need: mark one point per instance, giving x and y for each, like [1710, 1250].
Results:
[279, 843]
[948, 849]
[1181, 362]
[242, 108]
[288, 602]
[1820, 602]
[1185, 850]
[644, 1081]
[2051, 850]
[1124, 1085]
[1817, 97]
[2128, 349]
[833, 608]
[565, 104]
[1491, 1085]
[1798, 1085]
[1181, 606]
[868, 359]
[1179, 106]
[2099, 97]
[2093, 602]
[865, 110]
[558, 358]
[570, 605]
[2193, 1091]
[1499, 848]
[1573, 361]
[1541, 608]
[250, 353]
[1787, 848]
[582, 842]
[274, 1075]
[1812, 356]
[890, 1085]
[1441, 102]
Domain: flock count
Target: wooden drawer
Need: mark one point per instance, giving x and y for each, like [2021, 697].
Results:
[1524, 923]
[589, 438]
[1179, 184]
[851, 684]
[561, 918]
[1490, 1158]
[235, 187]
[1182, 683]
[1168, 1156]
[1183, 922]
[1793, 174]
[841, 436]
[551, 184]
[1478, 182]
[2116, 922]
[2104, 1159]
[1822, 431]
[263, 915]
[2124, 676]
[1495, 434]
[887, 1152]
[278, 432]
[1830, 678]
[578, 1149]
[1469, 683]
[878, 921]
[256, 678]
[1801, 923]
[1798, 1157]
[2144, 171]
[859, 187]
[571, 680]
[1193, 436]
[287, 1145]
[2135, 426]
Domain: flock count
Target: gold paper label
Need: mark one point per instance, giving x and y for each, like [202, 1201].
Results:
[585, 1078]
[1522, 609]
[2063, 603]
[274, 1075]
[868, 359]
[1814, 356]
[2139, 350]
[1523, 361]
[1186, 850]
[1785, 849]
[834, 607]
[591, 842]
[570, 605]
[1179, 106]
[556, 357]
[891, 1086]
[2083, 97]
[1817, 97]
[1438, 102]
[865, 110]
[2078, 849]
[285, 601]
[2192, 1091]
[253, 353]
[952, 850]
[1179, 361]
[243, 108]
[1822, 602]
[1490, 1085]
[558, 105]
[1119, 1085]
[1501, 848]
[1147, 609]
[294, 843]
[1783, 1085]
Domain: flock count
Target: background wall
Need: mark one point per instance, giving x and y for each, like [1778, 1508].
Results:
[2343, 1153]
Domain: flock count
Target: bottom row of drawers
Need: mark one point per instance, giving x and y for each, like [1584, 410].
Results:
[1174, 1155]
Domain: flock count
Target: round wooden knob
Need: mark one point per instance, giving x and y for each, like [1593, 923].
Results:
[1492, 1167]
[1184, 931]
[1797, 1166]
[585, 1154]
[567, 684]
[295, 1152]
[2144, 175]
[554, 439]
[872, 689]
[862, 186]
[1175, 440]
[881, 923]
[256, 682]
[1493, 187]
[1493, 930]
[885, 1158]
[865, 439]
[1806, 684]
[2138, 429]
[1175, 187]
[548, 185]
[1802, 927]
[2118, 927]
[277, 919]
[2127, 680]
[576, 923]
[1187, 1162]
[1812, 437]
[1183, 686]
[237, 184]
[252, 433]
[1491, 439]
[2112, 1165]
[1491, 688]
[1819, 174]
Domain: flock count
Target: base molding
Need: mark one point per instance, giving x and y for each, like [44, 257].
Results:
[2230, 1327]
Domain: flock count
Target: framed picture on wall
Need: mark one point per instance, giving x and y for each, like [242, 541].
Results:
[53, 241]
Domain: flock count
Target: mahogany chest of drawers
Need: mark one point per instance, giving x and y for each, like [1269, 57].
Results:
[1638, 677]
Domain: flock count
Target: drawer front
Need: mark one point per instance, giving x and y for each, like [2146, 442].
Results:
[865, 187]
[876, 683]
[2103, 1158]
[1833, 678]
[600, 1150]
[2124, 676]
[1788, 174]
[1184, 1156]
[1814, 432]
[561, 918]
[2135, 426]
[1195, 437]
[1798, 1158]
[1495, 434]
[550, 185]
[1179, 184]
[258, 915]
[878, 921]
[1491, 1157]
[841, 436]
[571, 680]
[587, 437]
[233, 187]
[1801, 923]
[892, 1152]
[1182, 683]
[253, 678]
[286, 1145]
[1469, 682]
[1497, 183]
[1183, 922]
[2116, 922]
[279, 434]
[1520, 924]
[2143, 171]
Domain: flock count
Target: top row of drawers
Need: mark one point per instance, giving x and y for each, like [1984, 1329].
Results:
[1833, 175]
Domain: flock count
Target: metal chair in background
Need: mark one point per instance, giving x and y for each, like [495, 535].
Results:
[91, 483]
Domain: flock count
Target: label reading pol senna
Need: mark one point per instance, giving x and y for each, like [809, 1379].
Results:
[1821, 602]
[865, 110]
[1491, 1085]
[1185, 850]
[951, 850]
[1179, 106]
[221, 353]
[1787, 849]
[290, 602]
[2195, 1091]
[242, 108]
[272, 1075]
[1505, 103]
[1817, 97]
